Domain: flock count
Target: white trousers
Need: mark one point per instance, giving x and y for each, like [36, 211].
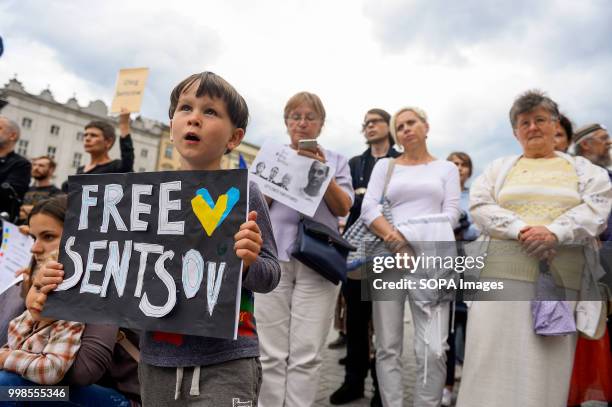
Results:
[293, 322]
[430, 334]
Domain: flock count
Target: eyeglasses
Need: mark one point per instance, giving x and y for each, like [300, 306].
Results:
[373, 121]
[539, 121]
[308, 118]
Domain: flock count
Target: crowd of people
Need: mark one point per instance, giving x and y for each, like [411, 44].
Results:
[539, 201]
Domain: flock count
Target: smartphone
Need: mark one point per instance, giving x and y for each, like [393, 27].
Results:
[309, 144]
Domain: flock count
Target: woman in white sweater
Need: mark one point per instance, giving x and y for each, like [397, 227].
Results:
[420, 186]
[536, 206]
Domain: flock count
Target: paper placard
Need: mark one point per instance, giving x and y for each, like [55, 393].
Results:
[294, 180]
[129, 89]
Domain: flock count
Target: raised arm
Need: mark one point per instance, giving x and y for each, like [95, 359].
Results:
[125, 142]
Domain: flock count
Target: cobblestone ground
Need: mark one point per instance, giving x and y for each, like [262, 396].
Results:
[332, 374]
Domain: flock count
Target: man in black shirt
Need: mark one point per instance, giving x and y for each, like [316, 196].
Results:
[14, 169]
[359, 313]
[98, 139]
[42, 171]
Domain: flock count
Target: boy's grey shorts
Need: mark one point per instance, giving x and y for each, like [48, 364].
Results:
[230, 384]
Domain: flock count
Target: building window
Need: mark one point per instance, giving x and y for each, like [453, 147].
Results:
[168, 151]
[26, 123]
[22, 147]
[51, 151]
[54, 130]
[144, 153]
[80, 136]
[76, 160]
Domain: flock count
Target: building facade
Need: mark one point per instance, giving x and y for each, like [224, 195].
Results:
[56, 129]
[169, 159]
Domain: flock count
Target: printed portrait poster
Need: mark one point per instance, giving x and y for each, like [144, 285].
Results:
[153, 251]
[129, 89]
[294, 180]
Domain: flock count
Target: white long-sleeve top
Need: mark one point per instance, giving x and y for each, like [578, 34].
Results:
[414, 191]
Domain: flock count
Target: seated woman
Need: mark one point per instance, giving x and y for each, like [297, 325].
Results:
[39, 350]
[102, 371]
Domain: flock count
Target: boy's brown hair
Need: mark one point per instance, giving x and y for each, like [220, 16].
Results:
[214, 86]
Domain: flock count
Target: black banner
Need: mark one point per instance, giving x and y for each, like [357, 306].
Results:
[153, 251]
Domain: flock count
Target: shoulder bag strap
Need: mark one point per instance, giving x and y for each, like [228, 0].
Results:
[128, 346]
[388, 178]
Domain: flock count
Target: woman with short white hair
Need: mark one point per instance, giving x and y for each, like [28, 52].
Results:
[533, 204]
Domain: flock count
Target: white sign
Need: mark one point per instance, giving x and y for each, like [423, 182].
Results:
[14, 255]
[291, 179]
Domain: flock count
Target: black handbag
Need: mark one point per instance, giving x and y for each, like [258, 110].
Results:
[322, 249]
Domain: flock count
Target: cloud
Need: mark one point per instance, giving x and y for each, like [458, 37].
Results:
[463, 62]
[93, 42]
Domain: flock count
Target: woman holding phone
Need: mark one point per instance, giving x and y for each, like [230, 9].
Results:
[294, 319]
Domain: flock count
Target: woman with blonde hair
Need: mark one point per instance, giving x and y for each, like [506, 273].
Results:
[423, 196]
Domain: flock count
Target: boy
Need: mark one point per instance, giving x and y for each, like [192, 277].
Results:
[208, 118]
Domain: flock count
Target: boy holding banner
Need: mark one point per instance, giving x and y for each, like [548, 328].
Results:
[208, 118]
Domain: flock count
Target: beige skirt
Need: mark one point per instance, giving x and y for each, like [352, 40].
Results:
[507, 364]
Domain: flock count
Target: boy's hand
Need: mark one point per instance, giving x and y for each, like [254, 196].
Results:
[49, 276]
[248, 241]
[124, 122]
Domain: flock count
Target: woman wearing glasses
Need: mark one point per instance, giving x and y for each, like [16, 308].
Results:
[532, 204]
[293, 320]
[423, 192]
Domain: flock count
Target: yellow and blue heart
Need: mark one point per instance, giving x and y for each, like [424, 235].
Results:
[211, 214]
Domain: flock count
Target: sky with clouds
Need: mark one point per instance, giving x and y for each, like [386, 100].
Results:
[463, 62]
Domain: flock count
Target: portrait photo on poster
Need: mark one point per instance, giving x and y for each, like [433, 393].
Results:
[294, 180]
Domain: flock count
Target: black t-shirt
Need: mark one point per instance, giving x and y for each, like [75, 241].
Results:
[15, 171]
[361, 168]
[37, 194]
